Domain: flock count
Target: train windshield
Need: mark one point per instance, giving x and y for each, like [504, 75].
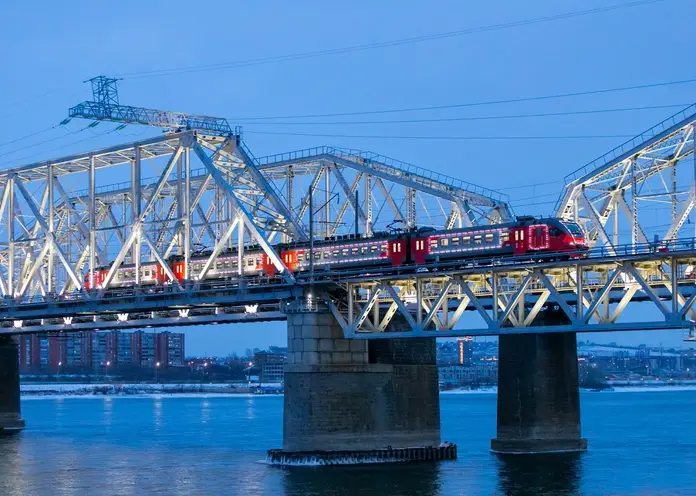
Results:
[574, 229]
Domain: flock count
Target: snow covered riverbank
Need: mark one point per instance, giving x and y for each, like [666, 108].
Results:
[634, 388]
[54, 390]
[115, 389]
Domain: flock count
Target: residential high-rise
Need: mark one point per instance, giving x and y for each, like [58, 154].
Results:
[466, 350]
[97, 349]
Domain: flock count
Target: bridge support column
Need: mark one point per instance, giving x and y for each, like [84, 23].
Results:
[356, 396]
[538, 395]
[10, 414]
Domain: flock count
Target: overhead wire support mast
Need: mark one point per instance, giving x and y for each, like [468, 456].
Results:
[105, 107]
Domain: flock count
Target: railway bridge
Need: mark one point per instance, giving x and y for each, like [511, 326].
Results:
[79, 250]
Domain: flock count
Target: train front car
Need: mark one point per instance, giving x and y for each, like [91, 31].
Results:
[567, 236]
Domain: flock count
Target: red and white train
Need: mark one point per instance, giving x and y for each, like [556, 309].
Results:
[524, 236]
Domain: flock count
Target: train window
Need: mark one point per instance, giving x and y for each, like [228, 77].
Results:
[373, 249]
[335, 253]
[521, 235]
[554, 231]
[466, 240]
[477, 239]
[354, 251]
[300, 257]
[455, 241]
[517, 235]
[489, 238]
[344, 252]
[538, 231]
[444, 242]
[433, 244]
[250, 262]
[363, 250]
[227, 264]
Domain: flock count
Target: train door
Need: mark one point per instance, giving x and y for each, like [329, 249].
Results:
[289, 259]
[419, 249]
[179, 269]
[397, 251]
[267, 265]
[162, 276]
[519, 243]
[539, 237]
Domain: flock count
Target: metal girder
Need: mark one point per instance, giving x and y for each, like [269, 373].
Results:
[600, 190]
[599, 293]
[242, 212]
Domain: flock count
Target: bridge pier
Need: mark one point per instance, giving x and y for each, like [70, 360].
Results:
[357, 397]
[10, 412]
[538, 395]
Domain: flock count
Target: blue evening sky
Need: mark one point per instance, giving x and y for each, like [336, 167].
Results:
[49, 48]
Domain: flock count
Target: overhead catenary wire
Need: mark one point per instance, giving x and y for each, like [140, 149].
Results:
[98, 135]
[469, 118]
[30, 135]
[479, 103]
[454, 138]
[384, 44]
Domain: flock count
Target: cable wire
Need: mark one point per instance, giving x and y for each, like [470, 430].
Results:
[477, 104]
[27, 136]
[474, 118]
[462, 138]
[383, 44]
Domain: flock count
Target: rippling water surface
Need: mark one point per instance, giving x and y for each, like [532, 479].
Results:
[640, 444]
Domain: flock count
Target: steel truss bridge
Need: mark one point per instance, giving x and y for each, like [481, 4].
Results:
[189, 191]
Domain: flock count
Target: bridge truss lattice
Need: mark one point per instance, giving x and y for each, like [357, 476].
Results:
[196, 195]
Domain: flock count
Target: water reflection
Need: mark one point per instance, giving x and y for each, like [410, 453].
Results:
[11, 481]
[250, 410]
[205, 411]
[392, 479]
[557, 474]
[157, 411]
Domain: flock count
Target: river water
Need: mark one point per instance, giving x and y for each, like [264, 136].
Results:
[640, 443]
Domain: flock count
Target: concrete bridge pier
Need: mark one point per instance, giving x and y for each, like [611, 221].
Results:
[10, 415]
[355, 396]
[538, 395]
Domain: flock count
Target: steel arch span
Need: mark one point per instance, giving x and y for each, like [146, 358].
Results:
[641, 191]
[64, 221]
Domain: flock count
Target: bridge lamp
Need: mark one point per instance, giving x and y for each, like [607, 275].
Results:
[108, 364]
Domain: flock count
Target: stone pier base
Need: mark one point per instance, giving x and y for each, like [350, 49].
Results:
[350, 395]
[538, 396]
[10, 414]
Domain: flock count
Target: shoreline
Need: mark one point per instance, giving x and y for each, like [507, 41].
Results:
[186, 390]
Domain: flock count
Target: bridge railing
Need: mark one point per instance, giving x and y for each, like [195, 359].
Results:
[366, 157]
[689, 113]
